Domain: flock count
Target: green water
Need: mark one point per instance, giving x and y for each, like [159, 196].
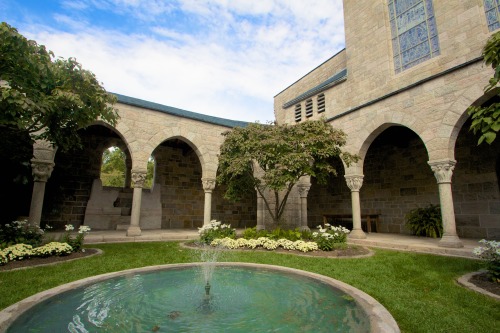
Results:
[242, 299]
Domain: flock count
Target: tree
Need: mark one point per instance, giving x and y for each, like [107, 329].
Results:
[48, 99]
[274, 157]
[486, 119]
[113, 167]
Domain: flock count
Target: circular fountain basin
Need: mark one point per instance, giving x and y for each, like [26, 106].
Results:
[173, 298]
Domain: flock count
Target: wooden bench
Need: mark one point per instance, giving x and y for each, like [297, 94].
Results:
[369, 222]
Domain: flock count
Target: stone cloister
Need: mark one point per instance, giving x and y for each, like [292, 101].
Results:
[406, 119]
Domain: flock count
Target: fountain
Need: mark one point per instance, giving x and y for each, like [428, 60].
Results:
[239, 297]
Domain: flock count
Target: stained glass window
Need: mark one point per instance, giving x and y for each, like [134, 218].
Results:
[414, 33]
[492, 15]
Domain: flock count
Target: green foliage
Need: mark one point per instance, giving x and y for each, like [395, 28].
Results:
[486, 119]
[252, 233]
[48, 99]
[215, 229]
[272, 159]
[113, 168]
[288, 234]
[20, 232]
[425, 221]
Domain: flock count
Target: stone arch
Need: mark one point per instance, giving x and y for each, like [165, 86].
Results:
[206, 155]
[378, 128]
[457, 115]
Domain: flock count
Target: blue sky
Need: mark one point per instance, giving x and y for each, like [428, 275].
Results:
[225, 58]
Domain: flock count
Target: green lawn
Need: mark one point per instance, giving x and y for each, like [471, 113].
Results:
[419, 290]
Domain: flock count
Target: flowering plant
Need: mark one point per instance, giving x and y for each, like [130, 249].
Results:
[76, 243]
[266, 243]
[25, 251]
[491, 253]
[329, 236]
[215, 229]
[20, 232]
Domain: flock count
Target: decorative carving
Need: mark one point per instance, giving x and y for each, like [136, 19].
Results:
[41, 170]
[303, 190]
[208, 184]
[138, 178]
[354, 182]
[443, 170]
[44, 150]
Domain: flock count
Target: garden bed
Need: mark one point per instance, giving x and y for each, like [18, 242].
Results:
[38, 261]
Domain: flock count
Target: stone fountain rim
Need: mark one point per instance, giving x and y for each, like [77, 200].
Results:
[381, 321]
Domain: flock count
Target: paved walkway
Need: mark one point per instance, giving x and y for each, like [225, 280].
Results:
[380, 240]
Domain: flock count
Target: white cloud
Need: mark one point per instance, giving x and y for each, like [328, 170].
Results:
[246, 52]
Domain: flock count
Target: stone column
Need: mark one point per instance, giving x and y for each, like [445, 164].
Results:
[138, 178]
[443, 171]
[42, 166]
[260, 212]
[303, 191]
[208, 187]
[354, 182]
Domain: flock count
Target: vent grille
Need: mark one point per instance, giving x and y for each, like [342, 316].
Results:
[309, 108]
[321, 103]
[298, 113]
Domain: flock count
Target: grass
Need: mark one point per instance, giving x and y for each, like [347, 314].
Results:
[418, 289]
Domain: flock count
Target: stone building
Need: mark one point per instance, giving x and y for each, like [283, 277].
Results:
[400, 90]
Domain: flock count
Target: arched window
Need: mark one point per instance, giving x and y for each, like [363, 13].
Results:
[150, 175]
[113, 168]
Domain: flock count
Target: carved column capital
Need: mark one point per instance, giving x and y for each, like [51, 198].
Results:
[41, 169]
[354, 182]
[443, 170]
[303, 190]
[208, 184]
[138, 178]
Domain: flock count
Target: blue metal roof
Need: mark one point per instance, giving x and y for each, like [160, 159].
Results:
[330, 82]
[179, 112]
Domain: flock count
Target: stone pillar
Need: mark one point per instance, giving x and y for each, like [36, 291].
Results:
[303, 191]
[260, 212]
[443, 171]
[138, 178]
[42, 165]
[354, 182]
[208, 187]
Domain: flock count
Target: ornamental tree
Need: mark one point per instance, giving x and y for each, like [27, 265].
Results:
[47, 98]
[272, 159]
[486, 119]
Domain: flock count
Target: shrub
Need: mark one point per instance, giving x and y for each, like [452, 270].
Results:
[264, 242]
[425, 221]
[19, 232]
[279, 233]
[52, 249]
[76, 243]
[330, 237]
[491, 253]
[252, 233]
[215, 229]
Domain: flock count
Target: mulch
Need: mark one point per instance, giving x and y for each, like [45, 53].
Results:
[483, 281]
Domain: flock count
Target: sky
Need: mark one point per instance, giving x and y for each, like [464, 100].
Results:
[224, 58]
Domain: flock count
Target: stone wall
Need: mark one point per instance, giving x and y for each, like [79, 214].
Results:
[178, 171]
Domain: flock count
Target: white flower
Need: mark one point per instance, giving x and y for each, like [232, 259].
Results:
[69, 227]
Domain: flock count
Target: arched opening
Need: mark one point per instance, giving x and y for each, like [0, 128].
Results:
[331, 199]
[475, 185]
[397, 178]
[69, 188]
[113, 167]
[178, 173]
[16, 180]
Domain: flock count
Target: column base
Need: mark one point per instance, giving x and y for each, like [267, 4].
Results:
[357, 234]
[450, 241]
[133, 231]
[260, 227]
